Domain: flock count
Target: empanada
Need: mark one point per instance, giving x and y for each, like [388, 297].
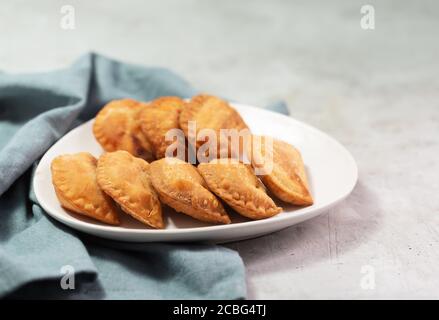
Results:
[180, 186]
[283, 170]
[117, 127]
[74, 179]
[210, 112]
[238, 186]
[160, 117]
[126, 179]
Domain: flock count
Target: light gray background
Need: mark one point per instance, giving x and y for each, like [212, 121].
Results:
[376, 91]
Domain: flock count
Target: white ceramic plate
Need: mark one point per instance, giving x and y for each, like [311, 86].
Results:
[331, 170]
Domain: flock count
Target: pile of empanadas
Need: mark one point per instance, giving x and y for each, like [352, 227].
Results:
[147, 165]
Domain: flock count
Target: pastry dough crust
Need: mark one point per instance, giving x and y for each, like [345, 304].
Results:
[287, 179]
[238, 186]
[126, 179]
[210, 112]
[181, 187]
[74, 180]
[161, 116]
[117, 127]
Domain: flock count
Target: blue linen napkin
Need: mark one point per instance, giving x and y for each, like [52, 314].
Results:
[36, 252]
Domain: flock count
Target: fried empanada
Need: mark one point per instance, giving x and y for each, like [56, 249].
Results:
[74, 179]
[283, 169]
[210, 112]
[180, 186]
[160, 117]
[238, 186]
[126, 179]
[117, 127]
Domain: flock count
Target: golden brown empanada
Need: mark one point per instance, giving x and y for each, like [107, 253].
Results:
[117, 127]
[238, 186]
[126, 179]
[284, 174]
[210, 112]
[160, 117]
[74, 179]
[180, 186]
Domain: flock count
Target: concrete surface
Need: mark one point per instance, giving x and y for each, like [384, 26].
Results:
[376, 91]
